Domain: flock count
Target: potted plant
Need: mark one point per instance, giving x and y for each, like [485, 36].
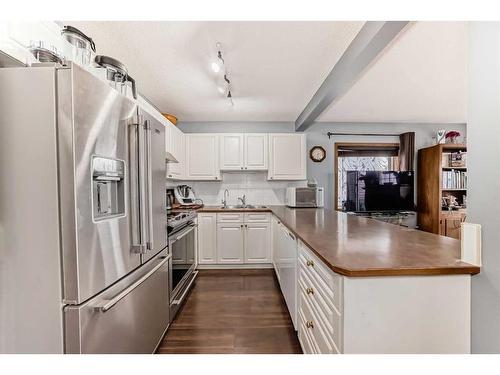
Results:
[452, 136]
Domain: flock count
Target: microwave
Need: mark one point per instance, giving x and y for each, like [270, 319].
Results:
[304, 197]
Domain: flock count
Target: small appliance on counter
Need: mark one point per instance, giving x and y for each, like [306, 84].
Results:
[185, 195]
[304, 197]
[170, 199]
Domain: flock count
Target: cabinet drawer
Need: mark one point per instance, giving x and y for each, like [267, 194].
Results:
[314, 325]
[257, 217]
[230, 217]
[323, 309]
[326, 280]
[304, 337]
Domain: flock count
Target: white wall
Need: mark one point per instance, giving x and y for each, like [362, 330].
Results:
[252, 184]
[316, 135]
[484, 179]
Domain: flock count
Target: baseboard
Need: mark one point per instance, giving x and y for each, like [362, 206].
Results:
[234, 266]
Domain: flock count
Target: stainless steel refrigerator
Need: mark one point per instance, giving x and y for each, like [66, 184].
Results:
[83, 259]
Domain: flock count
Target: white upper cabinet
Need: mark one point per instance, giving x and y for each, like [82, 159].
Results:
[177, 144]
[287, 156]
[232, 152]
[243, 151]
[202, 157]
[256, 151]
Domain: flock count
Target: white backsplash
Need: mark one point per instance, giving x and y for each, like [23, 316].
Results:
[254, 185]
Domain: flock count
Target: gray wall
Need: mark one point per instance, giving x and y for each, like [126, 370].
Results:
[316, 135]
[484, 179]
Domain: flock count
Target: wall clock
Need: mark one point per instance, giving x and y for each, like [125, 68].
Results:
[317, 154]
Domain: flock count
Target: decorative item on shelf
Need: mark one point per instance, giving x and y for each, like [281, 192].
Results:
[458, 159]
[441, 136]
[222, 80]
[317, 154]
[452, 136]
[170, 118]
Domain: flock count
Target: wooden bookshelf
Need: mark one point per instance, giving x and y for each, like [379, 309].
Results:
[431, 217]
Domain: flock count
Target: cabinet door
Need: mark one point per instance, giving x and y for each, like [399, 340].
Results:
[168, 137]
[231, 152]
[178, 150]
[256, 151]
[287, 156]
[453, 226]
[202, 157]
[257, 243]
[288, 272]
[230, 243]
[275, 236]
[207, 244]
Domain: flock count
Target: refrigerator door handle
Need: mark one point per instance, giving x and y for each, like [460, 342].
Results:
[149, 183]
[108, 304]
[137, 189]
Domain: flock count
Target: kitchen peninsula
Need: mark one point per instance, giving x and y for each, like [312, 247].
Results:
[357, 285]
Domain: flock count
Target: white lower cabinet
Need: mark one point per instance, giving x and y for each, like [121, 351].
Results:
[243, 238]
[230, 238]
[207, 238]
[319, 306]
[234, 238]
[257, 243]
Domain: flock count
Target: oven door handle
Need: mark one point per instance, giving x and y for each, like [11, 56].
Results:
[186, 290]
[184, 232]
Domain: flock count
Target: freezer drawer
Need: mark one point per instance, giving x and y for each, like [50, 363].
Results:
[129, 317]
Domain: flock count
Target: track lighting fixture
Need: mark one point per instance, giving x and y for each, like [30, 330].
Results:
[222, 81]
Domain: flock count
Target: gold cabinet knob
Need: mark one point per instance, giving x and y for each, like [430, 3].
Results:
[309, 291]
[310, 263]
[309, 324]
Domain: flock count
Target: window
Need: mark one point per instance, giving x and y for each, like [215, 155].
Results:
[361, 157]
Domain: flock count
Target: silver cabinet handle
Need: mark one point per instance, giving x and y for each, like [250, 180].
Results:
[108, 304]
[179, 300]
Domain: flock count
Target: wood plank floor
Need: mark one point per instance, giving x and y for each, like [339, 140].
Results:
[233, 311]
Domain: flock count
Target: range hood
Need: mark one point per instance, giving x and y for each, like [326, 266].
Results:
[170, 158]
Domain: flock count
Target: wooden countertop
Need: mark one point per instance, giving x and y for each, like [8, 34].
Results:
[358, 246]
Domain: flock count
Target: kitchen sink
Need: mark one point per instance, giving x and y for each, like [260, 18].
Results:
[240, 206]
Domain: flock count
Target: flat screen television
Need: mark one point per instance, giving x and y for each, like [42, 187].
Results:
[375, 191]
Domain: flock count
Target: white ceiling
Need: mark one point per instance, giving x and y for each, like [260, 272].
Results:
[420, 77]
[275, 67]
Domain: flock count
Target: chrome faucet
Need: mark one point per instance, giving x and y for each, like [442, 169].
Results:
[243, 200]
[224, 201]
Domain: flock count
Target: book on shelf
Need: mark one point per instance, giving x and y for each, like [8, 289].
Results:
[454, 179]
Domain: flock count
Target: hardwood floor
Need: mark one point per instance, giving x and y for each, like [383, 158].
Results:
[233, 311]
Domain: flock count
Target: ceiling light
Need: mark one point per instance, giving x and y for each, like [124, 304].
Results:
[216, 67]
[222, 81]
[218, 64]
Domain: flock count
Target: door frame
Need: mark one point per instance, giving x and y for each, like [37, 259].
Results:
[336, 146]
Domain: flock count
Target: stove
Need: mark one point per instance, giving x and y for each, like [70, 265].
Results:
[181, 228]
[178, 220]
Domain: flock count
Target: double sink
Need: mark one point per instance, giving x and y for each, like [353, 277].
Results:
[241, 206]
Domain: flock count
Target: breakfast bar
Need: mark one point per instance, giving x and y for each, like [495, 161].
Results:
[357, 285]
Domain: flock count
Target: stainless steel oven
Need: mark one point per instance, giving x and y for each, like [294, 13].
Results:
[182, 264]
